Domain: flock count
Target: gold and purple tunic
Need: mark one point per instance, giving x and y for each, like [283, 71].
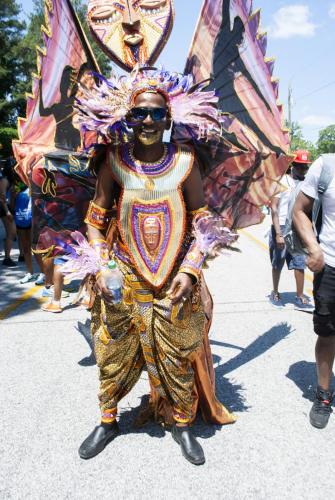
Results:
[146, 329]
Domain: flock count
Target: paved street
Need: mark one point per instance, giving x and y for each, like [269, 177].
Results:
[264, 372]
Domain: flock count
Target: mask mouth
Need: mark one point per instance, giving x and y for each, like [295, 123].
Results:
[133, 39]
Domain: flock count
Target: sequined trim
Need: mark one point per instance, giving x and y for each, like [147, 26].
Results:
[109, 416]
[155, 169]
[193, 261]
[181, 417]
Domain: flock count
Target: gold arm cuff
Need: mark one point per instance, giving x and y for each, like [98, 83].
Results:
[97, 240]
[97, 216]
[191, 271]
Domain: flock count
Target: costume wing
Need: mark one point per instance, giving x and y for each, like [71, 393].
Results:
[241, 172]
[49, 137]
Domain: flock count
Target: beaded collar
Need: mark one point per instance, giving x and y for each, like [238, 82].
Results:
[156, 168]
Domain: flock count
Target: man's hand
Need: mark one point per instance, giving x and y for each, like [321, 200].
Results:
[101, 289]
[181, 288]
[280, 242]
[315, 260]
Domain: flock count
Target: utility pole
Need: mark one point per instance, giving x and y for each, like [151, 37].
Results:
[290, 103]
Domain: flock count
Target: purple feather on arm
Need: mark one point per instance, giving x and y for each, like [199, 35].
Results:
[211, 234]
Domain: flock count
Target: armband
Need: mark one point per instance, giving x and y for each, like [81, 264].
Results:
[101, 249]
[97, 217]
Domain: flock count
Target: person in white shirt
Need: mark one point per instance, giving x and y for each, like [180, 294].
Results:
[278, 251]
[321, 260]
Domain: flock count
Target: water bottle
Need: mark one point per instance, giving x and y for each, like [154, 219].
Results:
[114, 280]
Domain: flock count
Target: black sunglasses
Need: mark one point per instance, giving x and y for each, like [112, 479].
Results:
[140, 114]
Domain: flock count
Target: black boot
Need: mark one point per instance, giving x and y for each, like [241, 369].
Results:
[98, 440]
[190, 447]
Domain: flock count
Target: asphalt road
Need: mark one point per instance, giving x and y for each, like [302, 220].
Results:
[264, 372]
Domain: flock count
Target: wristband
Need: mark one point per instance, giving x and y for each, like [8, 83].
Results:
[101, 249]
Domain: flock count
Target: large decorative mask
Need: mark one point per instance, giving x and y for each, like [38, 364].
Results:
[131, 31]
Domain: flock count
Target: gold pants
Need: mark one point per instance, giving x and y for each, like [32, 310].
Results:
[146, 330]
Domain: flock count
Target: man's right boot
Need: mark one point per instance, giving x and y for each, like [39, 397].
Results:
[321, 409]
[190, 447]
[98, 440]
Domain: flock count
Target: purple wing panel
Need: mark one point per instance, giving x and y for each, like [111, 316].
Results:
[49, 137]
[229, 49]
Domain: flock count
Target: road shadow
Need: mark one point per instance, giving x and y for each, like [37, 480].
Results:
[85, 330]
[287, 297]
[258, 347]
[231, 394]
[128, 416]
[303, 374]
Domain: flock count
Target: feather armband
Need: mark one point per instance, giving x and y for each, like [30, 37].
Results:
[84, 258]
[97, 217]
[210, 237]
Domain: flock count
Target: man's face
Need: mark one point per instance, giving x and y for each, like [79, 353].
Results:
[131, 31]
[299, 170]
[149, 131]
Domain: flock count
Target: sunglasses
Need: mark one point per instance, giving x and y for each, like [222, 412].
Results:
[140, 114]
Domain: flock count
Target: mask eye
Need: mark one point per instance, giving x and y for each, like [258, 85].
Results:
[147, 7]
[106, 14]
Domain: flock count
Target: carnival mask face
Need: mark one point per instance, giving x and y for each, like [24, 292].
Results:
[131, 31]
[151, 233]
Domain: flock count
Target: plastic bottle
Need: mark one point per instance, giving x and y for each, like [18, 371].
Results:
[114, 281]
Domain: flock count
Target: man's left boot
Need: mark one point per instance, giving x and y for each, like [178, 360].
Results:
[98, 440]
[190, 447]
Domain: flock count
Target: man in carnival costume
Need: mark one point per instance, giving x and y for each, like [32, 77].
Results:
[163, 236]
[163, 233]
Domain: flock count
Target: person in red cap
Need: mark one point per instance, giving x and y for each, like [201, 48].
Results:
[278, 251]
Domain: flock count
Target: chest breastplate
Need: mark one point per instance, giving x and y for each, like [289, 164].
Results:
[151, 211]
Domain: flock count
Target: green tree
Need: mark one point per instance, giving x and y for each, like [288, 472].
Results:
[7, 134]
[11, 32]
[299, 142]
[326, 141]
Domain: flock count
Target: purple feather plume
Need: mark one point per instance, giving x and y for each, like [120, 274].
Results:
[82, 261]
[211, 234]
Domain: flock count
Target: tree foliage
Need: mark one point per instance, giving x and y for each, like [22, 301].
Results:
[7, 134]
[299, 142]
[11, 32]
[326, 141]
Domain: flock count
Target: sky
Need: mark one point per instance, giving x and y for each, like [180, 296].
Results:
[301, 36]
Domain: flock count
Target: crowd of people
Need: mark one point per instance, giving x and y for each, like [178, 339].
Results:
[16, 217]
[161, 322]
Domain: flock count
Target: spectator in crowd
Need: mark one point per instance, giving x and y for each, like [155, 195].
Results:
[278, 251]
[6, 180]
[21, 206]
[55, 292]
[321, 260]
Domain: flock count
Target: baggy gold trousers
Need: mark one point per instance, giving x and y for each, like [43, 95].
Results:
[146, 330]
